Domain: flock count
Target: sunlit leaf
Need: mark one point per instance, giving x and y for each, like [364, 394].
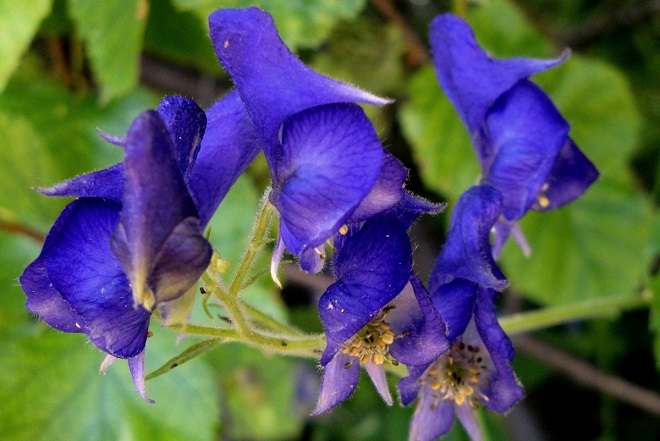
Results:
[113, 32]
[19, 21]
[52, 390]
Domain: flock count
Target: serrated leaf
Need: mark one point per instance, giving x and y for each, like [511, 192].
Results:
[592, 248]
[52, 390]
[300, 24]
[113, 32]
[19, 22]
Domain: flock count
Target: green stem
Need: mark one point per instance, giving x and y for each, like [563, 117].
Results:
[269, 322]
[259, 233]
[460, 8]
[555, 315]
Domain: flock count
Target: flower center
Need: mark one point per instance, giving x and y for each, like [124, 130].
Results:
[457, 374]
[372, 342]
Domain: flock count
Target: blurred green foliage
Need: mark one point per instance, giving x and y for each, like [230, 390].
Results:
[70, 67]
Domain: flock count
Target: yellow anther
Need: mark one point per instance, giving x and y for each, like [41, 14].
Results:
[378, 358]
[343, 229]
[387, 337]
[544, 202]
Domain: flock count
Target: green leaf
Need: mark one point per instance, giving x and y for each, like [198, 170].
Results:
[19, 21]
[592, 248]
[113, 32]
[300, 23]
[261, 393]
[366, 53]
[24, 163]
[180, 37]
[441, 146]
[50, 380]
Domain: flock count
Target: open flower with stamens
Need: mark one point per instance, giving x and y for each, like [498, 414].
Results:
[326, 162]
[476, 370]
[520, 138]
[376, 312]
[133, 243]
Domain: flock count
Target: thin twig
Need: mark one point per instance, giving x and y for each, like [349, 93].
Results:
[587, 375]
[23, 230]
[417, 54]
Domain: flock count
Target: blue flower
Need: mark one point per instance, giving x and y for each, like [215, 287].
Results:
[134, 241]
[521, 139]
[476, 370]
[324, 155]
[376, 312]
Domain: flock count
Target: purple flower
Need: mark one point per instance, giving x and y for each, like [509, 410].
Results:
[376, 312]
[521, 139]
[324, 155]
[476, 370]
[134, 241]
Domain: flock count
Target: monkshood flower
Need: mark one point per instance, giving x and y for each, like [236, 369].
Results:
[476, 370]
[520, 138]
[114, 256]
[324, 155]
[376, 312]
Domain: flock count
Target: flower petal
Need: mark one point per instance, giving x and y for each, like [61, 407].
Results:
[107, 183]
[467, 416]
[503, 389]
[182, 259]
[272, 81]
[421, 328]
[386, 192]
[467, 252]
[45, 301]
[156, 200]
[229, 146]
[330, 160]
[372, 267]
[526, 133]
[572, 173]
[81, 266]
[469, 76]
[340, 379]
[409, 387]
[136, 366]
[431, 420]
[455, 303]
[186, 123]
[377, 374]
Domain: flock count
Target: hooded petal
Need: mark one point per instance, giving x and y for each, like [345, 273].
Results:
[419, 324]
[372, 267]
[526, 133]
[340, 379]
[571, 174]
[229, 146]
[272, 81]
[156, 200]
[467, 252]
[469, 76]
[330, 160]
[186, 123]
[82, 268]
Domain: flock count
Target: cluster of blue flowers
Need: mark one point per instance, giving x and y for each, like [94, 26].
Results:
[132, 244]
